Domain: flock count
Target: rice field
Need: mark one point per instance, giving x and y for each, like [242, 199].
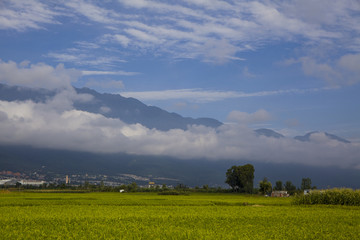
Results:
[151, 216]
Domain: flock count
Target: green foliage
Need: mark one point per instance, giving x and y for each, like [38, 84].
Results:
[173, 193]
[241, 178]
[133, 187]
[265, 186]
[181, 187]
[279, 186]
[98, 215]
[290, 188]
[331, 197]
[305, 183]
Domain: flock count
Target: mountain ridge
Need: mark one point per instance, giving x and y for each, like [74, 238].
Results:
[132, 111]
[307, 137]
[128, 110]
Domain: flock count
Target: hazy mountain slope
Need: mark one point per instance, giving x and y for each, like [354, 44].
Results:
[129, 110]
[268, 133]
[195, 172]
[16, 93]
[307, 137]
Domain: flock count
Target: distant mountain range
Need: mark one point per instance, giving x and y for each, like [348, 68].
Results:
[191, 172]
[268, 133]
[129, 110]
[194, 172]
[307, 137]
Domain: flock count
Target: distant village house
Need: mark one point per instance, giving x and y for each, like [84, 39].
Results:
[280, 194]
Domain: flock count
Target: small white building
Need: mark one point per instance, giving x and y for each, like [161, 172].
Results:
[32, 182]
[279, 194]
[307, 191]
[6, 181]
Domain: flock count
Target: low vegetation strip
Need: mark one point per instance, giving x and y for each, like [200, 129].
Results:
[99, 215]
[342, 196]
[173, 193]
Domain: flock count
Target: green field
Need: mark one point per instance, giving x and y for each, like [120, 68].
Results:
[151, 216]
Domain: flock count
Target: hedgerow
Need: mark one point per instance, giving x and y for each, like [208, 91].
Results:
[336, 196]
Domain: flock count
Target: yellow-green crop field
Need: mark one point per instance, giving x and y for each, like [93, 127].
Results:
[151, 216]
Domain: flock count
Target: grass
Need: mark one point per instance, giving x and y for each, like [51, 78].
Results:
[151, 216]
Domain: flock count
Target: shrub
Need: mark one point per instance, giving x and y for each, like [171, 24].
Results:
[336, 196]
[172, 193]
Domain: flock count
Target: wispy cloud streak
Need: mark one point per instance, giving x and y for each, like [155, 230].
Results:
[200, 95]
[214, 31]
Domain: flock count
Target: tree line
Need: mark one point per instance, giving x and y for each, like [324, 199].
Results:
[241, 179]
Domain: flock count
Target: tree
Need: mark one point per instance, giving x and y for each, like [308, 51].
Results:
[181, 186]
[87, 185]
[241, 178]
[265, 186]
[305, 183]
[18, 185]
[290, 188]
[278, 186]
[133, 187]
[102, 185]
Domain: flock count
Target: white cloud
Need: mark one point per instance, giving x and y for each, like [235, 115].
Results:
[247, 74]
[218, 51]
[350, 62]
[37, 75]
[105, 109]
[85, 59]
[320, 70]
[87, 45]
[213, 31]
[336, 72]
[112, 84]
[242, 25]
[42, 125]
[322, 11]
[201, 95]
[93, 12]
[189, 94]
[23, 15]
[143, 36]
[160, 7]
[123, 40]
[123, 73]
[271, 18]
[213, 4]
[249, 118]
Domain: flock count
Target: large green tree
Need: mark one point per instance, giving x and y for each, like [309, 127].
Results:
[241, 178]
[278, 186]
[290, 188]
[265, 186]
[305, 183]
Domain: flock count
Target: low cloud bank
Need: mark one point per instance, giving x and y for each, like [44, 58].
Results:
[56, 124]
[38, 75]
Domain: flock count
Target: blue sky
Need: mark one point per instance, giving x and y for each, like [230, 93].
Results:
[292, 66]
[204, 58]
